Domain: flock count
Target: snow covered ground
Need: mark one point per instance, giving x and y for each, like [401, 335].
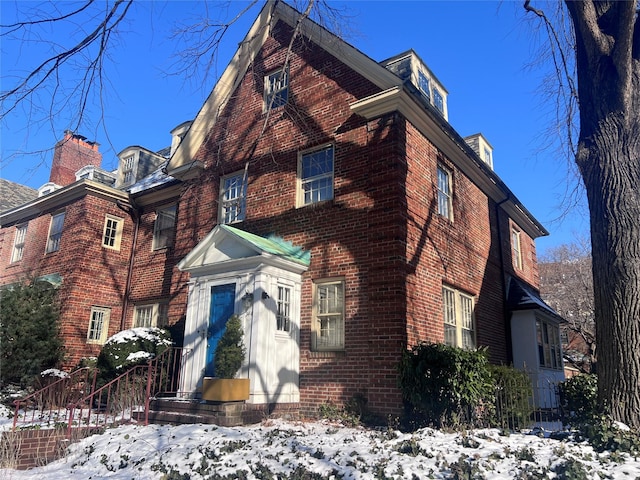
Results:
[275, 449]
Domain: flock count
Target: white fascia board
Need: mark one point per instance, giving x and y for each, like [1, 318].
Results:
[226, 85]
[398, 99]
[60, 198]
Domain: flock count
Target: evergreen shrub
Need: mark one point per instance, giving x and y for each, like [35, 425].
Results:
[446, 386]
[230, 350]
[579, 399]
[129, 348]
[513, 393]
[30, 340]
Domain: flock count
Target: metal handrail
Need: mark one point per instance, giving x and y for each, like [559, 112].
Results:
[116, 402]
[168, 368]
[120, 400]
[51, 399]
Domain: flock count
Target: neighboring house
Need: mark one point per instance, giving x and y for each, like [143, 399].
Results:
[78, 233]
[326, 201]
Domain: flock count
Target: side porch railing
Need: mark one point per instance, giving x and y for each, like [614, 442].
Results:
[74, 402]
[47, 407]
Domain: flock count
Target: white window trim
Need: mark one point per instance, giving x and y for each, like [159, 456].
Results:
[316, 323]
[104, 330]
[516, 248]
[159, 314]
[19, 240]
[427, 80]
[448, 196]
[119, 222]
[459, 299]
[53, 245]
[550, 347]
[123, 172]
[289, 311]
[168, 231]
[438, 95]
[242, 199]
[302, 182]
[269, 94]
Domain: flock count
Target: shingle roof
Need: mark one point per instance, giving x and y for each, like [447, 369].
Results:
[522, 297]
[13, 194]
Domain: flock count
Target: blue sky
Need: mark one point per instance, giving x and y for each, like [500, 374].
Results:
[479, 50]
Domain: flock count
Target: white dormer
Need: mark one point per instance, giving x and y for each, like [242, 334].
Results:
[482, 147]
[410, 67]
[48, 188]
[91, 172]
[178, 133]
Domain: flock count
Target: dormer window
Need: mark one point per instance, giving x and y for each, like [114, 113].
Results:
[424, 85]
[488, 159]
[128, 174]
[48, 188]
[438, 100]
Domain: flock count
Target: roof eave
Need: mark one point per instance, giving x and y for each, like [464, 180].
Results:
[60, 198]
[453, 146]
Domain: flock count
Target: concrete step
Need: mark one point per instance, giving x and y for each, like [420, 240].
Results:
[176, 412]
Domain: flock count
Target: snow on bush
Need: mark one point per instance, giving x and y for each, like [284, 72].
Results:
[54, 372]
[129, 348]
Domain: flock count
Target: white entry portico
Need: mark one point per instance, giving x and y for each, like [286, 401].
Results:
[259, 279]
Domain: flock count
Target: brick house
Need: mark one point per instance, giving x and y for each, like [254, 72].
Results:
[325, 199]
[329, 203]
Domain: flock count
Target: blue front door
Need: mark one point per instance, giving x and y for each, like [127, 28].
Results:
[222, 307]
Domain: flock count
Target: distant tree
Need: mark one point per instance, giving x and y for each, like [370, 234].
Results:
[605, 36]
[29, 332]
[65, 84]
[566, 283]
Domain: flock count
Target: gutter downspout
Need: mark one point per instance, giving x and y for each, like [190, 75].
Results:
[134, 212]
[503, 281]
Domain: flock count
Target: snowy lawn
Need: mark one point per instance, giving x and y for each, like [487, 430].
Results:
[277, 449]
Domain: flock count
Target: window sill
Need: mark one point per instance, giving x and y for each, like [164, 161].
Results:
[326, 353]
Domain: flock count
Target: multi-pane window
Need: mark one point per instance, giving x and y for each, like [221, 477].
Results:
[276, 89]
[18, 243]
[283, 315]
[328, 330]
[112, 232]
[316, 176]
[516, 248]
[55, 232]
[549, 352]
[459, 324]
[163, 228]
[128, 173]
[155, 315]
[438, 100]
[98, 325]
[488, 159]
[423, 84]
[233, 190]
[444, 193]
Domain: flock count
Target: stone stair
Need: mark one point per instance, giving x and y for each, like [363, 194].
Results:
[178, 411]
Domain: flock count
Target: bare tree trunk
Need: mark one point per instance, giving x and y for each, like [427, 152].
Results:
[608, 157]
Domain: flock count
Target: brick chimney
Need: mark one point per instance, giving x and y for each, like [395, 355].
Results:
[71, 154]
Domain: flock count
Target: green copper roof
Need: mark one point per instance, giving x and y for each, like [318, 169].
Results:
[273, 245]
